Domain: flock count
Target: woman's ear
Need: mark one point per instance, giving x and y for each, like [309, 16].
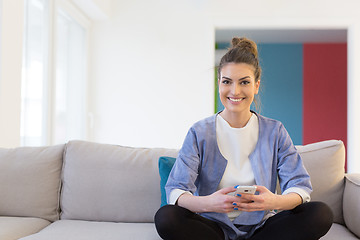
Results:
[257, 86]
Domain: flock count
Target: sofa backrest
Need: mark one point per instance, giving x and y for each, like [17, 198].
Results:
[325, 163]
[103, 182]
[30, 181]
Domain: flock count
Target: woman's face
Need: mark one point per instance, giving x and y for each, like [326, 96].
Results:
[237, 87]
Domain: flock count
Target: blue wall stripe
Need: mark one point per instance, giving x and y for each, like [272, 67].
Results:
[281, 91]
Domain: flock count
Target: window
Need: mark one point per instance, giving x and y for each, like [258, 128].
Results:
[70, 82]
[34, 102]
[54, 73]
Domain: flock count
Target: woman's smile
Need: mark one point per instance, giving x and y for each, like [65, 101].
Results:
[235, 100]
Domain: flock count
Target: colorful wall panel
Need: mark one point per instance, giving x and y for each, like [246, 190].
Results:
[305, 87]
[325, 92]
[282, 86]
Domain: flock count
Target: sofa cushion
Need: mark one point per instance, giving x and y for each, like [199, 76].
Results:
[165, 166]
[351, 206]
[72, 229]
[325, 163]
[103, 182]
[337, 232]
[16, 227]
[30, 181]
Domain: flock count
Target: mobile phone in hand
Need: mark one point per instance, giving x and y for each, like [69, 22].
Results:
[245, 189]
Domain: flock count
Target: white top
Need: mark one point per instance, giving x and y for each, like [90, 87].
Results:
[236, 144]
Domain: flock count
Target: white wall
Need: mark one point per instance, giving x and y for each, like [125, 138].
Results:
[152, 73]
[151, 63]
[10, 75]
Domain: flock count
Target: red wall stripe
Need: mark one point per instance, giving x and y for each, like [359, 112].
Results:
[325, 92]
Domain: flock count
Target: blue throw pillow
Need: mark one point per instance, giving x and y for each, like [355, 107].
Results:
[165, 166]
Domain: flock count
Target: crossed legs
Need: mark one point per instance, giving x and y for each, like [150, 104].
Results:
[308, 221]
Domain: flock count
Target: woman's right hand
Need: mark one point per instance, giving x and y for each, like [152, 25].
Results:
[219, 201]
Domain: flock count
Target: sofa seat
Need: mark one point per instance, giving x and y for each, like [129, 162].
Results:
[337, 232]
[88, 230]
[12, 228]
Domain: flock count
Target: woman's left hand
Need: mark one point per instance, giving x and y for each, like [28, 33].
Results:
[266, 200]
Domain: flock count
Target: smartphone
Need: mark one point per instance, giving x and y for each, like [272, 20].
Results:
[245, 189]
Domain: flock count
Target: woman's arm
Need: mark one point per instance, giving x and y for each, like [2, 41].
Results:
[292, 174]
[185, 170]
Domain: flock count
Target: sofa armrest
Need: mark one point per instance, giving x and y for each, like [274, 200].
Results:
[351, 206]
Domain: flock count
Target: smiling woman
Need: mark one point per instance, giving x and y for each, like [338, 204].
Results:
[234, 147]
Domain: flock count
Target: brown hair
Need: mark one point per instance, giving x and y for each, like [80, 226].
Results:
[242, 50]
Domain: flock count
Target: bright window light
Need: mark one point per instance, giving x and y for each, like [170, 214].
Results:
[54, 80]
[70, 100]
[34, 107]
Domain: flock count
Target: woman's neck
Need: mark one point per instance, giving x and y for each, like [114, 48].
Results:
[236, 120]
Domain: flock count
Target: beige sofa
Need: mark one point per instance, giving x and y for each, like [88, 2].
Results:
[91, 191]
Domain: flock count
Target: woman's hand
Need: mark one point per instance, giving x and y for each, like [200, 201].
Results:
[220, 201]
[266, 200]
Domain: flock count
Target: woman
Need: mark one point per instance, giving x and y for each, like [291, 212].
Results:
[240, 147]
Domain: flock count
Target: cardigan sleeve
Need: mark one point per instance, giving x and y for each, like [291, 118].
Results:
[175, 194]
[303, 194]
[186, 168]
[292, 174]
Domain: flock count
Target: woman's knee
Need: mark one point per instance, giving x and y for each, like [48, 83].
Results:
[320, 215]
[161, 219]
[167, 217]
[321, 210]
[163, 215]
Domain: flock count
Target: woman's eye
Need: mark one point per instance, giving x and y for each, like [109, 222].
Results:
[225, 81]
[244, 82]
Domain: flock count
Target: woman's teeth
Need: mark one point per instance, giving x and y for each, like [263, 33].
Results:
[236, 99]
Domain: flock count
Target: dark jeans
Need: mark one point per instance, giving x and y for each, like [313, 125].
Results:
[308, 221]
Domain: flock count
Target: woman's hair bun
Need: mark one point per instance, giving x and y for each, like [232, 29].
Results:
[245, 44]
[242, 50]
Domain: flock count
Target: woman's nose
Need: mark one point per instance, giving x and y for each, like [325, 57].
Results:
[236, 89]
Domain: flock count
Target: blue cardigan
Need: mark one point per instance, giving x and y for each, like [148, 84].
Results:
[200, 166]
